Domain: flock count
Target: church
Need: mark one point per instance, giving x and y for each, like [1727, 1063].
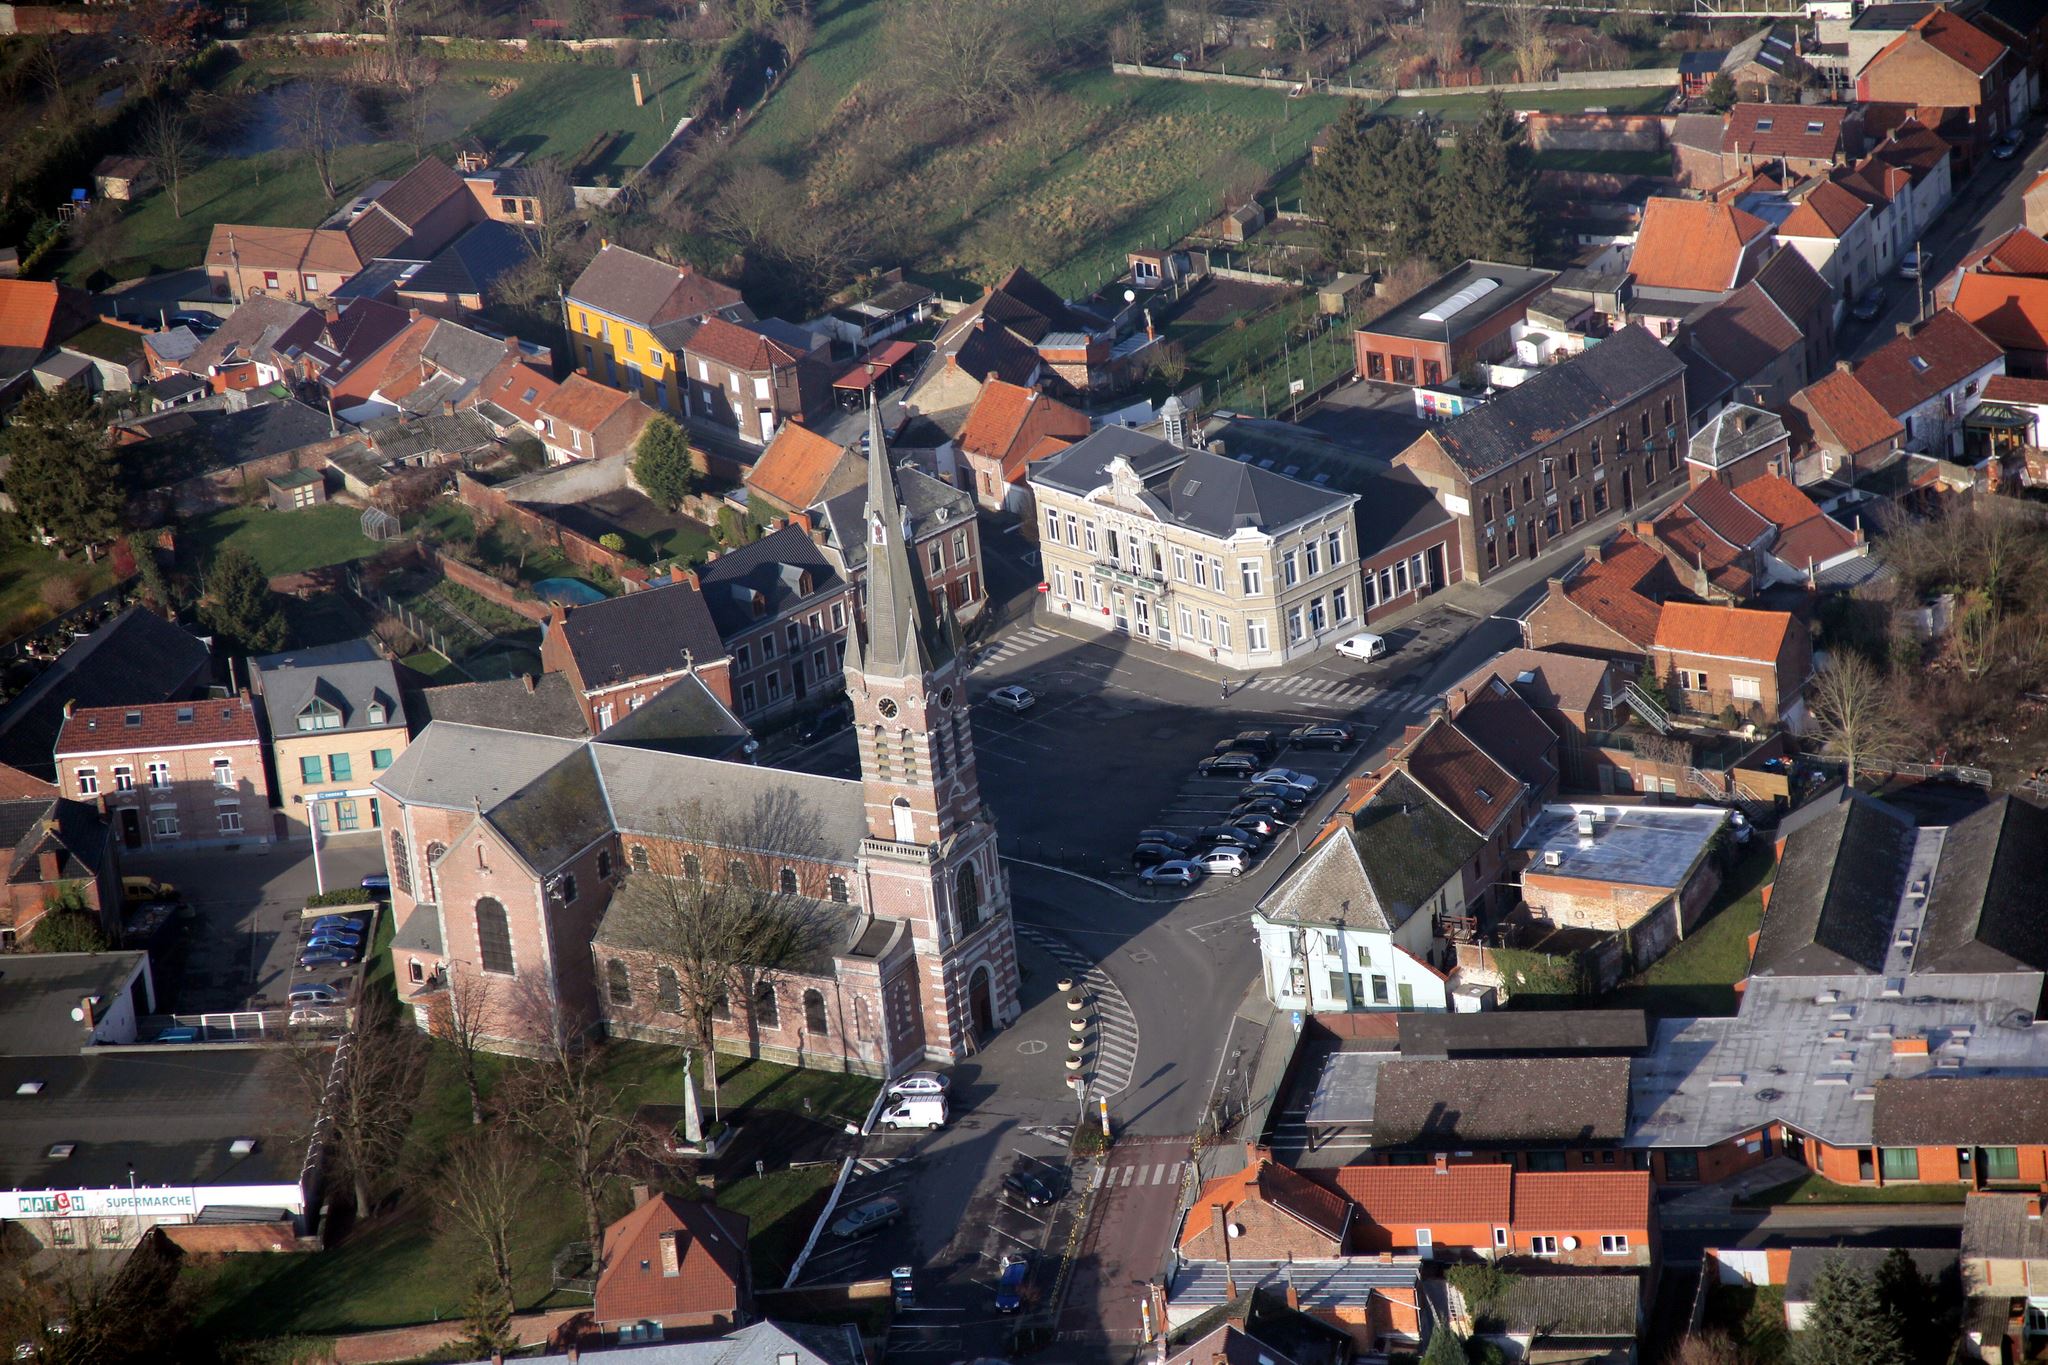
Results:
[513, 858]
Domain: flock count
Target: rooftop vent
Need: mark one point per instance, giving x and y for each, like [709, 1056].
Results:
[1731, 1078]
[1894, 987]
[1589, 822]
[1460, 301]
[1552, 858]
[1827, 997]
[61, 1151]
[29, 1088]
[242, 1146]
[1865, 1096]
[1830, 1080]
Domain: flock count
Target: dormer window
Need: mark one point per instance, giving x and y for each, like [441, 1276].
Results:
[319, 715]
[377, 713]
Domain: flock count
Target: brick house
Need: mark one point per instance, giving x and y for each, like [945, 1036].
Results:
[1838, 427]
[945, 539]
[56, 848]
[335, 719]
[673, 1263]
[1728, 544]
[511, 853]
[619, 654]
[627, 314]
[138, 654]
[1009, 427]
[1944, 62]
[1756, 662]
[169, 774]
[299, 264]
[1803, 140]
[2010, 310]
[585, 420]
[752, 376]
[1694, 251]
[1459, 319]
[781, 610]
[1459, 1210]
[1568, 692]
[1531, 1113]
[1641, 875]
[1573, 442]
[801, 468]
[1927, 377]
[1266, 1212]
[1606, 604]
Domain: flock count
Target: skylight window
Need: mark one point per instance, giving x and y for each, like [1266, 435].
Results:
[1919, 363]
[1814, 125]
[1763, 125]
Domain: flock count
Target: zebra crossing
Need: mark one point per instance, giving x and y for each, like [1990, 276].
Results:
[1116, 1025]
[1313, 691]
[1058, 1134]
[867, 1167]
[1140, 1173]
[1011, 645]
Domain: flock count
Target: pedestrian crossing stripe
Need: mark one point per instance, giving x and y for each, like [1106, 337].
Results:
[1156, 1173]
[1012, 645]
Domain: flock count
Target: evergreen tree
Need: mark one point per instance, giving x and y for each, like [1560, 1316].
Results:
[1721, 93]
[62, 472]
[1924, 1313]
[1847, 1322]
[1371, 186]
[240, 605]
[1483, 206]
[1444, 1347]
[661, 462]
[487, 1321]
[150, 583]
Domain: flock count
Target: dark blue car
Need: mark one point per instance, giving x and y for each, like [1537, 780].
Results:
[1010, 1284]
[326, 955]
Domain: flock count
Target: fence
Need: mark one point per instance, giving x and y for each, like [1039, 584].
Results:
[1561, 80]
[410, 619]
[249, 1026]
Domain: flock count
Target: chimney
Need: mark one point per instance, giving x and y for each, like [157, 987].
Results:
[641, 1194]
[671, 1256]
[1905, 329]
[528, 679]
[574, 1353]
[49, 864]
[1293, 1296]
[414, 314]
[85, 1005]
[1443, 1163]
[1595, 553]
[1458, 698]
[70, 707]
[2034, 1208]
[1844, 367]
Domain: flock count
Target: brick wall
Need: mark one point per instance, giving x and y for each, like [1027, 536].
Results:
[230, 1237]
[483, 585]
[579, 549]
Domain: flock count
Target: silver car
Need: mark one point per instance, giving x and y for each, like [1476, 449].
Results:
[869, 1216]
[919, 1083]
[1013, 698]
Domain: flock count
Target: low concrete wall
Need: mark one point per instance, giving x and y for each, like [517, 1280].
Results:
[1563, 80]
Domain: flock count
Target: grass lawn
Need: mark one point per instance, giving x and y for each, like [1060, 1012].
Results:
[560, 109]
[1698, 976]
[25, 568]
[283, 542]
[744, 1083]
[1647, 100]
[1614, 163]
[435, 669]
[1812, 1189]
[782, 1207]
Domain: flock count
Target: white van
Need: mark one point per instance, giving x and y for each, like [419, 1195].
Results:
[915, 1111]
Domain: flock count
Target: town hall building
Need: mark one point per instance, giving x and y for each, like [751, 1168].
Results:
[513, 858]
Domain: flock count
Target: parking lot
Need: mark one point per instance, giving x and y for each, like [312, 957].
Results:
[238, 951]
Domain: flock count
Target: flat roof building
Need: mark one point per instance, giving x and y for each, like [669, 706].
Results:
[1461, 317]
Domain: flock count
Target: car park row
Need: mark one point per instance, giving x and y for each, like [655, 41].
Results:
[1264, 803]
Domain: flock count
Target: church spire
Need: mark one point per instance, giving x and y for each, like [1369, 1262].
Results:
[903, 639]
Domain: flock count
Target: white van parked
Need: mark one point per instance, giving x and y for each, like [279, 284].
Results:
[915, 1111]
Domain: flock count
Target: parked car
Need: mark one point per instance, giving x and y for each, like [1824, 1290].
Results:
[1364, 645]
[1909, 265]
[829, 721]
[1259, 805]
[312, 1018]
[876, 1213]
[1869, 306]
[1167, 837]
[1226, 862]
[1179, 872]
[1230, 836]
[1030, 1189]
[377, 883]
[1331, 735]
[203, 324]
[2007, 145]
[1292, 777]
[335, 938]
[1013, 698]
[919, 1083]
[1284, 792]
[314, 993]
[1010, 1283]
[1252, 742]
[1152, 854]
[358, 923]
[323, 955]
[1265, 826]
[915, 1111]
[1236, 763]
[136, 890]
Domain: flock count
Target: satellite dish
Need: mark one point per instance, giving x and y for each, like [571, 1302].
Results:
[1235, 1229]
[77, 1014]
[1130, 296]
[1571, 1244]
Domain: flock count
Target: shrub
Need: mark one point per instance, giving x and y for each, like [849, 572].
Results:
[60, 594]
[613, 541]
[342, 895]
[68, 931]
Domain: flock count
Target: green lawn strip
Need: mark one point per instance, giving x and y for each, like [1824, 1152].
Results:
[24, 569]
[744, 1083]
[1698, 976]
[1814, 1189]
[560, 109]
[1643, 100]
[434, 668]
[283, 542]
[781, 1208]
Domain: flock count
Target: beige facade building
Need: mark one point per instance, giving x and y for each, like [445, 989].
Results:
[336, 723]
[1196, 552]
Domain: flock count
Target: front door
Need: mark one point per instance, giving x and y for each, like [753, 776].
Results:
[1144, 611]
[981, 1008]
[131, 827]
[1628, 496]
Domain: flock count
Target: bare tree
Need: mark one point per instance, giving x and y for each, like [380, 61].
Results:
[390, 16]
[792, 31]
[364, 1091]
[561, 1100]
[1859, 714]
[965, 54]
[416, 102]
[820, 246]
[1128, 40]
[47, 67]
[315, 119]
[1299, 22]
[547, 183]
[171, 147]
[1198, 26]
[481, 1188]
[1528, 32]
[1443, 28]
[727, 919]
[1710, 1347]
[460, 1021]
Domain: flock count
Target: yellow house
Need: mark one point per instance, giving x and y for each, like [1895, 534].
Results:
[628, 315]
[336, 720]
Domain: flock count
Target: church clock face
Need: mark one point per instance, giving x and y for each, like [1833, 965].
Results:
[887, 706]
[946, 698]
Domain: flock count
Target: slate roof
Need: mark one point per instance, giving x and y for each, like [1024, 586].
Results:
[641, 289]
[545, 705]
[1983, 910]
[1084, 466]
[1940, 353]
[1570, 683]
[928, 502]
[2004, 1227]
[760, 1343]
[902, 636]
[1694, 245]
[1961, 1111]
[254, 331]
[1497, 1102]
[157, 725]
[1217, 495]
[1836, 893]
[73, 830]
[685, 717]
[711, 1255]
[771, 569]
[474, 262]
[1383, 862]
[135, 658]
[1493, 1033]
[642, 786]
[459, 766]
[352, 688]
[1556, 401]
[640, 634]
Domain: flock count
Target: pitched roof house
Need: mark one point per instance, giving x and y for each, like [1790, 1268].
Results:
[1267, 1211]
[1695, 249]
[1719, 657]
[36, 315]
[1925, 377]
[1606, 604]
[1943, 62]
[308, 264]
[676, 1263]
[2010, 310]
[136, 657]
[800, 468]
[1838, 425]
[1009, 427]
[619, 653]
[585, 420]
[1729, 543]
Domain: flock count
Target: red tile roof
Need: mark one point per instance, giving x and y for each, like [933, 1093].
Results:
[33, 313]
[711, 1262]
[2012, 310]
[1806, 535]
[1723, 632]
[158, 725]
[16, 785]
[1813, 542]
[2019, 252]
[1591, 1200]
[1468, 782]
[796, 467]
[1008, 421]
[1709, 529]
[1621, 588]
[287, 250]
[583, 404]
[509, 385]
[1852, 417]
[1827, 211]
[1267, 1182]
[1811, 131]
[2011, 388]
[1393, 1196]
[1942, 352]
[1692, 244]
[742, 348]
[1955, 38]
